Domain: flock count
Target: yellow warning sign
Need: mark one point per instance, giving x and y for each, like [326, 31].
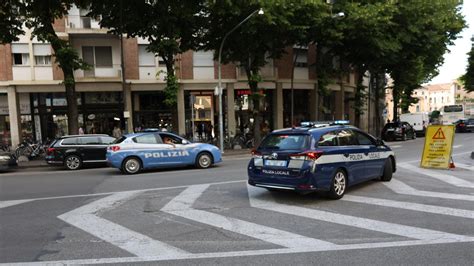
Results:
[438, 146]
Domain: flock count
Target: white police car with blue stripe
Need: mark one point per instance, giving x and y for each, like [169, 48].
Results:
[135, 152]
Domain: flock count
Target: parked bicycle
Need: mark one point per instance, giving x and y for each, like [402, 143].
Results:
[31, 150]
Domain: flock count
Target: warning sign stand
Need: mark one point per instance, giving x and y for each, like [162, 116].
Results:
[438, 147]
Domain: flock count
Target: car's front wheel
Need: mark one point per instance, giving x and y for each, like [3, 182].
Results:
[73, 162]
[338, 184]
[131, 166]
[387, 171]
[203, 160]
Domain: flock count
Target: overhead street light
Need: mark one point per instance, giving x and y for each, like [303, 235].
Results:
[219, 87]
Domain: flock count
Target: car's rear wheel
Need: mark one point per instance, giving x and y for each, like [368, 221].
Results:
[203, 160]
[338, 185]
[132, 166]
[73, 162]
[387, 171]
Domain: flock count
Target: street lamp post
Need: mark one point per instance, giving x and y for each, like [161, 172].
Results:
[219, 87]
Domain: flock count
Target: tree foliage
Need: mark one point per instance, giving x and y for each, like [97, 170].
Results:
[468, 78]
[172, 27]
[40, 16]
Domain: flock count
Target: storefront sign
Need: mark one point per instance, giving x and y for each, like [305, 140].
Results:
[438, 146]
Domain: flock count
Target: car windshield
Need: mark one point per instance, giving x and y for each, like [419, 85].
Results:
[285, 142]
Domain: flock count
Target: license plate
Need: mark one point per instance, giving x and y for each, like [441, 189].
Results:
[275, 163]
[391, 129]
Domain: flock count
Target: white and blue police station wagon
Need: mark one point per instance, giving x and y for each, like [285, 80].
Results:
[135, 152]
[325, 157]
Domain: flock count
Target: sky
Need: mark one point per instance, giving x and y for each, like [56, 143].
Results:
[455, 62]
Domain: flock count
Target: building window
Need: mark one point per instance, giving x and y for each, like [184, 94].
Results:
[21, 54]
[442, 99]
[43, 60]
[302, 59]
[99, 56]
[203, 59]
[145, 58]
[42, 54]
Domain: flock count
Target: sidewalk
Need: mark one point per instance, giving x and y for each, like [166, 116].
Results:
[42, 163]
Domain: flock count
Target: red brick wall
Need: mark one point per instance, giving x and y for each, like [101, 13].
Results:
[6, 62]
[186, 65]
[130, 58]
[59, 25]
[284, 64]
[311, 61]
[57, 72]
[228, 71]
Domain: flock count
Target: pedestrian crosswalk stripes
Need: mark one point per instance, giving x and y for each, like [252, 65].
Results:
[186, 203]
[182, 206]
[85, 218]
[265, 201]
[450, 179]
[411, 206]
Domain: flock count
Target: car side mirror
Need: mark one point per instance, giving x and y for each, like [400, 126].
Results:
[379, 142]
[184, 141]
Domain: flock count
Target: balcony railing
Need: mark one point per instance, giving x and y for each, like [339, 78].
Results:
[114, 71]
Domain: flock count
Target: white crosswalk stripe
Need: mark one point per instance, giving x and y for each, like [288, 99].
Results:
[450, 179]
[182, 206]
[411, 206]
[140, 245]
[465, 166]
[260, 198]
[402, 188]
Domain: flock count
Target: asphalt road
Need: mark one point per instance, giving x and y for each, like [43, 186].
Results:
[203, 217]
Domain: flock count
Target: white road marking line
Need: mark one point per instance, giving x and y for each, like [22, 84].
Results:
[457, 146]
[239, 253]
[16, 202]
[464, 166]
[395, 146]
[181, 206]
[411, 206]
[402, 188]
[452, 180]
[4, 204]
[260, 198]
[140, 245]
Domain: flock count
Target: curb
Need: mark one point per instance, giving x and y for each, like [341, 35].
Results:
[26, 165]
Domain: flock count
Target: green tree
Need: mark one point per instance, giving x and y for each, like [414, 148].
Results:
[367, 43]
[424, 30]
[468, 78]
[172, 27]
[40, 16]
[266, 36]
[10, 25]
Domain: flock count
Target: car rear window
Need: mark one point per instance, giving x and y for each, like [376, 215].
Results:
[119, 140]
[69, 141]
[392, 125]
[285, 142]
